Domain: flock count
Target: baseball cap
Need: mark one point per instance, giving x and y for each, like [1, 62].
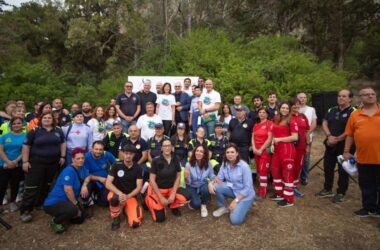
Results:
[158, 125]
[181, 125]
[79, 112]
[219, 124]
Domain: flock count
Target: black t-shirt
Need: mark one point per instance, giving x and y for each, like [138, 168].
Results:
[139, 144]
[241, 132]
[166, 173]
[124, 177]
[45, 143]
[180, 147]
[86, 118]
[145, 98]
[128, 104]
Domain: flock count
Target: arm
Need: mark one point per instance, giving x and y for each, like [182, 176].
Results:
[175, 188]
[138, 110]
[157, 108]
[155, 188]
[5, 115]
[63, 154]
[70, 194]
[136, 191]
[144, 157]
[120, 113]
[247, 188]
[347, 146]
[267, 142]
[25, 157]
[4, 157]
[293, 137]
[173, 114]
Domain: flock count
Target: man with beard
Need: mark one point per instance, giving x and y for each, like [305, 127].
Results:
[63, 116]
[86, 111]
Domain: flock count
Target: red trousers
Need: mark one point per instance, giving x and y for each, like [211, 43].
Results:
[262, 167]
[283, 170]
[131, 206]
[298, 164]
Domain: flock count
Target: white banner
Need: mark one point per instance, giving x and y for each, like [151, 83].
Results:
[138, 81]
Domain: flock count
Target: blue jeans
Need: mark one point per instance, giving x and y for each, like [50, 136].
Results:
[199, 196]
[194, 124]
[209, 128]
[237, 216]
[126, 125]
[305, 168]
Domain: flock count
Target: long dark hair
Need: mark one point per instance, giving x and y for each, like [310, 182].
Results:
[175, 139]
[231, 145]
[163, 88]
[258, 110]
[106, 113]
[222, 115]
[279, 118]
[204, 161]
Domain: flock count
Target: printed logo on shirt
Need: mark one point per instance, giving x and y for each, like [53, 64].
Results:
[207, 100]
[134, 99]
[245, 125]
[344, 115]
[151, 124]
[56, 134]
[67, 178]
[165, 102]
[64, 119]
[138, 146]
[290, 166]
[8, 140]
[104, 166]
[120, 173]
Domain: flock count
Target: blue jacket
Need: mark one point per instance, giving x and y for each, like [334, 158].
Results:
[185, 101]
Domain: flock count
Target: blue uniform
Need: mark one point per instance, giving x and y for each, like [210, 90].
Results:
[12, 145]
[98, 167]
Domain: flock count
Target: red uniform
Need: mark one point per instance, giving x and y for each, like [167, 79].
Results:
[303, 127]
[283, 161]
[260, 135]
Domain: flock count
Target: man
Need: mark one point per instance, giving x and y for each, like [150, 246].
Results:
[237, 104]
[63, 116]
[363, 130]
[159, 88]
[257, 101]
[187, 87]
[87, 112]
[333, 126]
[201, 83]
[311, 116]
[114, 138]
[147, 122]
[97, 163]
[272, 105]
[146, 96]
[34, 114]
[124, 182]
[209, 105]
[128, 106]
[240, 129]
[194, 110]
[155, 142]
[182, 105]
[73, 109]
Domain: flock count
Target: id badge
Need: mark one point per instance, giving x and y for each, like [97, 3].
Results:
[230, 184]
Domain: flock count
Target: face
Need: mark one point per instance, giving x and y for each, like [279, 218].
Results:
[263, 115]
[240, 114]
[201, 82]
[20, 103]
[20, 113]
[112, 112]
[218, 130]
[57, 103]
[97, 150]
[146, 87]
[187, 83]
[296, 108]
[167, 89]
[37, 106]
[128, 87]
[159, 131]
[78, 119]
[237, 100]
[47, 120]
[113, 102]
[344, 98]
[159, 86]
[368, 96]
[166, 147]
[99, 113]
[78, 159]
[284, 109]
[257, 102]
[74, 108]
[86, 107]
[199, 153]
[133, 131]
[181, 131]
[272, 99]
[200, 132]
[10, 107]
[177, 87]
[128, 157]
[197, 92]
[117, 129]
[150, 110]
[302, 98]
[231, 154]
[46, 108]
[226, 110]
[17, 125]
[208, 85]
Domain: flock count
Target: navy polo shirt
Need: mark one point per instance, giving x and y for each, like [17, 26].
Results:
[337, 119]
[241, 132]
[139, 144]
[145, 98]
[45, 143]
[155, 145]
[180, 147]
[218, 145]
[128, 104]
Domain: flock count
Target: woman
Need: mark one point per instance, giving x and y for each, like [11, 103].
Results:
[284, 133]
[97, 124]
[261, 140]
[225, 117]
[63, 202]
[110, 117]
[302, 145]
[164, 189]
[180, 142]
[10, 161]
[197, 173]
[199, 140]
[43, 153]
[44, 108]
[18, 112]
[234, 181]
[166, 108]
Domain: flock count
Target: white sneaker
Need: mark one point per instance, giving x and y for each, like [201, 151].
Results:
[5, 200]
[204, 212]
[220, 211]
[19, 197]
[13, 207]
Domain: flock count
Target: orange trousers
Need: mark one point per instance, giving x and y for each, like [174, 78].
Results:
[132, 209]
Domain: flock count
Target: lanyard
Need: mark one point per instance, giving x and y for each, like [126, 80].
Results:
[199, 176]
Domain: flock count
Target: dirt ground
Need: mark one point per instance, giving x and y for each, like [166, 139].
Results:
[313, 223]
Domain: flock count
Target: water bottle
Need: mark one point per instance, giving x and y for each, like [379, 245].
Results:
[349, 166]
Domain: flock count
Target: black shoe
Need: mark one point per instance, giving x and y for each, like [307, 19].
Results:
[115, 223]
[88, 212]
[362, 213]
[304, 182]
[276, 197]
[374, 214]
[176, 212]
[284, 203]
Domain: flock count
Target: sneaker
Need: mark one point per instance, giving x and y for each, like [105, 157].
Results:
[19, 197]
[324, 193]
[115, 224]
[362, 213]
[176, 212]
[13, 207]
[26, 217]
[297, 193]
[284, 203]
[190, 207]
[259, 198]
[276, 197]
[304, 182]
[5, 201]
[338, 198]
[220, 211]
[204, 212]
[374, 214]
[57, 228]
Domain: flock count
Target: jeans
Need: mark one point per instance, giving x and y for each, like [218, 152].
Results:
[199, 196]
[305, 168]
[369, 183]
[209, 128]
[237, 216]
[126, 125]
[194, 124]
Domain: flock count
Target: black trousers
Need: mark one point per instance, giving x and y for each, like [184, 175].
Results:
[101, 193]
[167, 127]
[369, 183]
[329, 163]
[244, 153]
[64, 211]
[38, 181]
[13, 177]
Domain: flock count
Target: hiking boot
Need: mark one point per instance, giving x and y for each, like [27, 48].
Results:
[338, 198]
[324, 193]
[13, 207]
[362, 213]
[284, 203]
[204, 212]
[115, 223]
[26, 217]
[220, 211]
[276, 197]
[57, 228]
[297, 193]
[176, 212]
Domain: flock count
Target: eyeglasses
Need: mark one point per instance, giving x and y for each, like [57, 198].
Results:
[128, 86]
[368, 94]
[177, 86]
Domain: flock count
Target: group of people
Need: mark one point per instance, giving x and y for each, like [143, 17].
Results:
[177, 148]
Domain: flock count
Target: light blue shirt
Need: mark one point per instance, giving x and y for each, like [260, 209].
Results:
[80, 136]
[240, 177]
[197, 176]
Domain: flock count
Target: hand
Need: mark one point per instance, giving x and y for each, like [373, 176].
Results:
[259, 151]
[129, 118]
[331, 140]
[276, 140]
[171, 198]
[347, 156]
[84, 191]
[178, 104]
[26, 166]
[272, 149]
[217, 181]
[61, 162]
[201, 111]
[205, 115]
[179, 108]
[164, 201]
[211, 188]
[173, 124]
[122, 197]
[11, 164]
[308, 148]
[232, 205]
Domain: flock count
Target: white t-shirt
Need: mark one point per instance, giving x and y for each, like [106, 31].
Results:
[310, 114]
[189, 91]
[210, 99]
[146, 125]
[165, 110]
[97, 128]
